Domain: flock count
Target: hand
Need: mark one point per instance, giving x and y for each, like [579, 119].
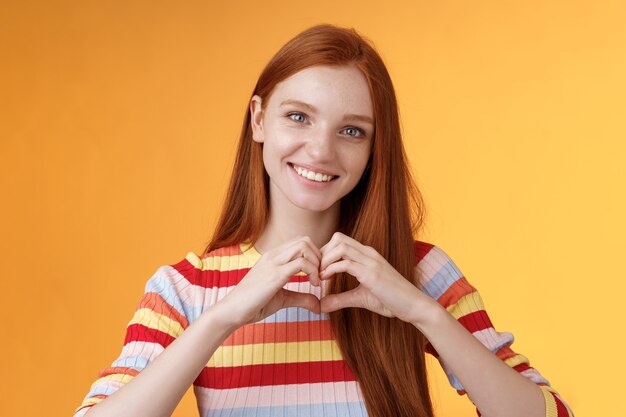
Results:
[381, 288]
[260, 293]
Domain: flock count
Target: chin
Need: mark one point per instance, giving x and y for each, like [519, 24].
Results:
[317, 206]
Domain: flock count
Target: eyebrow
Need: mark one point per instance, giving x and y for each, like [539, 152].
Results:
[348, 116]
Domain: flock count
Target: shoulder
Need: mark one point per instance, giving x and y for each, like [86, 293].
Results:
[438, 275]
[183, 285]
[429, 255]
[224, 259]
[221, 267]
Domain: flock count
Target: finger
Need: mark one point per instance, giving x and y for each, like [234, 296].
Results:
[302, 264]
[299, 299]
[345, 299]
[313, 247]
[347, 265]
[343, 251]
[337, 238]
[342, 247]
[299, 247]
[334, 239]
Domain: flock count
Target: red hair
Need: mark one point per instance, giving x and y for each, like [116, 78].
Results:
[385, 210]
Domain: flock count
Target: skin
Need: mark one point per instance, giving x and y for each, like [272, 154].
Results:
[323, 138]
[300, 236]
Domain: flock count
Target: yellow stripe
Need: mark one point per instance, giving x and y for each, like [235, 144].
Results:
[551, 410]
[270, 353]
[547, 388]
[467, 304]
[123, 378]
[89, 401]
[516, 360]
[220, 263]
[194, 260]
[225, 263]
[154, 320]
[551, 401]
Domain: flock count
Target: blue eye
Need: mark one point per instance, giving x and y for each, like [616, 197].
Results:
[296, 114]
[358, 132]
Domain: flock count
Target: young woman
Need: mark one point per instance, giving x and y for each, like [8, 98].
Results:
[313, 297]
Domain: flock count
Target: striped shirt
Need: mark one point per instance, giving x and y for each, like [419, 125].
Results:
[288, 364]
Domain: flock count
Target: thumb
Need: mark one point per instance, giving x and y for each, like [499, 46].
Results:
[298, 299]
[335, 302]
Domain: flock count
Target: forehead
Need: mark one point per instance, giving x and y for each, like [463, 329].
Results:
[328, 88]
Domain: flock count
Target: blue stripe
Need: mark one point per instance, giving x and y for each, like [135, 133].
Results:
[447, 275]
[162, 283]
[354, 409]
[101, 389]
[137, 363]
[294, 314]
[455, 382]
[503, 339]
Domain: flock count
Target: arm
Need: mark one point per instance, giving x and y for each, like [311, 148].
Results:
[171, 373]
[478, 359]
[439, 302]
[172, 352]
[495, 388]
[161, 351]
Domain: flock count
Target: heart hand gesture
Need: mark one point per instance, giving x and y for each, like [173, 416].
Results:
[381, 289]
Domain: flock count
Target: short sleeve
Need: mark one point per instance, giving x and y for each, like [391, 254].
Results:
[160, 317]
[443, 281]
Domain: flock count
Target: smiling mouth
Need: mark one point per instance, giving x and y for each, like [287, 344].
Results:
[311, 175]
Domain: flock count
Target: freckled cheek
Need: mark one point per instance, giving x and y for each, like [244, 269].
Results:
[290, 141]
[279, 148]
[354, 159]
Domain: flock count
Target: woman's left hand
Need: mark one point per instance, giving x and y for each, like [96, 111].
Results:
[382, 289]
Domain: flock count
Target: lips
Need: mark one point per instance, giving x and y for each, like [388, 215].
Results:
[312, 176]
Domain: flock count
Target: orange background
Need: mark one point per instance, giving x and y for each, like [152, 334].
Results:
[118, 123]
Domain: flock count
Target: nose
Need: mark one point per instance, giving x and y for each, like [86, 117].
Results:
[321, 145]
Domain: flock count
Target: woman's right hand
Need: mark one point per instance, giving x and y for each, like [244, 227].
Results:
[260, 293]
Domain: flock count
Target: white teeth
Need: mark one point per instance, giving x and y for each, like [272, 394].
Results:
[313, 176]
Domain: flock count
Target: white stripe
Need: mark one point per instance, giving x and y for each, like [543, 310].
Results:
[279, 395]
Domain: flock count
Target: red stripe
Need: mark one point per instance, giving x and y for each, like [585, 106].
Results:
[115, 370]
[156, 303]
[430, 349]
[561, 410]
[140, 333]
[505, 353]
[274, 374]
[232, 250]
[101, 396]
[220, 279]
[475, 321]
[459, 289]
[214, 278]
[421, 249]
[281, 332]
[209, 278]
[522, 367]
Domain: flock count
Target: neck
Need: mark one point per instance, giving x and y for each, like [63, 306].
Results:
[287, 222]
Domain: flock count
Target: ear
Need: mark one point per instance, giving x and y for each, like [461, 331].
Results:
[256, 119]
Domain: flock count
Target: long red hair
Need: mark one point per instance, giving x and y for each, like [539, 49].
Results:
[385, 211]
